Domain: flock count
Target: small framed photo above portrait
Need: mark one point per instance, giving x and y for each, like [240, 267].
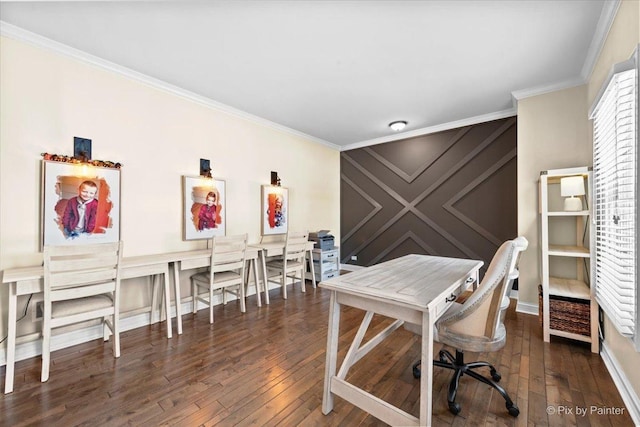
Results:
[204, 207]
[275, 210]
[80, 204]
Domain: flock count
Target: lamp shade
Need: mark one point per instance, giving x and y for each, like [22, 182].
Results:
[572, 186]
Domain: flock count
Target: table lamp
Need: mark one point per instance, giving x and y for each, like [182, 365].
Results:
[570, 187]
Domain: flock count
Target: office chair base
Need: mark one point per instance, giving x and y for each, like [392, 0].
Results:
[447, 360]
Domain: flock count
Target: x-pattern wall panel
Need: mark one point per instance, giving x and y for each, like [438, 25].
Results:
[452, 193]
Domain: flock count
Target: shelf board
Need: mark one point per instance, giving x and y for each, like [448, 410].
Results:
[571, 288]
[566, 213]
[570, 251]
[570, 335]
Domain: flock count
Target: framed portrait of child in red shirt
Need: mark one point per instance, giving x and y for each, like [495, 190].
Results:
[80, 203]
[204, 207]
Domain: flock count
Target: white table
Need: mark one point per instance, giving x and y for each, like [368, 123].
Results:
[29, 280]
[269, 249]
[416, 289]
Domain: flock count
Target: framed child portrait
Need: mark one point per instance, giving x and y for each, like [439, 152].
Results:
[275, 210]
[80, 204]
[204, 207]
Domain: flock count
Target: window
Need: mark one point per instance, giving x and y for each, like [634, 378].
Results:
[615, 186]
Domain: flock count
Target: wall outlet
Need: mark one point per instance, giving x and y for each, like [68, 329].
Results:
[354, 257]
[38, 313]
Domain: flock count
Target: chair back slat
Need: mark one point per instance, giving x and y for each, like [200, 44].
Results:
[83, 291]
[81, 278]
[107, 260]
[296, 245]
[228, 253]
[81, 266]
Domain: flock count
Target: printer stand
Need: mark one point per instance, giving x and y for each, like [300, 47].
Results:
[326, 263]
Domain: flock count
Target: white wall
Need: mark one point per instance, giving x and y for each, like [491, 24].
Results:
[554, 132]
[48, 98]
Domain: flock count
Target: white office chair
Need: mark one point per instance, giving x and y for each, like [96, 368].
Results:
[292, 265]
[477, 325]
[226, 272]
[81, 283]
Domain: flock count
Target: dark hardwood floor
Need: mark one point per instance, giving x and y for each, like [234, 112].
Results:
[266, 367]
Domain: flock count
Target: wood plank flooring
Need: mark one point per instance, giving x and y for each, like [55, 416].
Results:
[266, 367]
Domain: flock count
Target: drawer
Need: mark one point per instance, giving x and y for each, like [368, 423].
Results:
[443, 304]
[327, 275]
[324, 256]
[322, 267]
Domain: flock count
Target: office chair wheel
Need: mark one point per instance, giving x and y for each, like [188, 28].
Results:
[513, 410]
[416, 370]
[495, 375]
[454, 408]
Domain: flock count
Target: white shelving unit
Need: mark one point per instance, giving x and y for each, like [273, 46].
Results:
[566, 266]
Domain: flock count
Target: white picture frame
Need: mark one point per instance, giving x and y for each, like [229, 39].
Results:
[62, 185]
[275, 210]
[199, 221]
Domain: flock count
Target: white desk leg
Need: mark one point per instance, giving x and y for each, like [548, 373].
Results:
[332, 353]
[167, 300]
[265, 282]
[155, 310]
[176, 291]
[426, 370]
[312, 268]
[254, 262]
[11, 338]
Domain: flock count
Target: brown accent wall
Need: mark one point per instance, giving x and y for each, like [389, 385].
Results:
[451, 193]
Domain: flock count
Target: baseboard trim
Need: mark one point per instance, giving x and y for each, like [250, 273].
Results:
[628, 394]
[527, 308]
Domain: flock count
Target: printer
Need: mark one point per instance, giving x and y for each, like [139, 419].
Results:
[323, 240]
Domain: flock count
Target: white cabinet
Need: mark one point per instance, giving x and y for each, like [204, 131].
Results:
[326, 263]
[569, 308]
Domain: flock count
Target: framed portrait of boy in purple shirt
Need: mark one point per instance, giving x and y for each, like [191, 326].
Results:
[80, 204]
[204, 207]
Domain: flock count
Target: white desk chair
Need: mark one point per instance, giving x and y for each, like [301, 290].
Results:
[226, 271]
[81, 283]
[292, 265]
[477, 325]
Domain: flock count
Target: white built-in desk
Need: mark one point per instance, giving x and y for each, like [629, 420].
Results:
[29, 280]
[416, 289]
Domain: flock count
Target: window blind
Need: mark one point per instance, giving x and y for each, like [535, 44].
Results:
[614, 195]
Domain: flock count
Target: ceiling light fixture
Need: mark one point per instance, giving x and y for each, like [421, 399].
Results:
[398, 125]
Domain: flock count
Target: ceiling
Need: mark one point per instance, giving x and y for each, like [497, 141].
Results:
[339, 71]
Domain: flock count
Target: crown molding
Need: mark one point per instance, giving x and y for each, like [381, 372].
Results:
[22, 35]
[541, 90]
[433, 129]
[605, 22]
[607, 16]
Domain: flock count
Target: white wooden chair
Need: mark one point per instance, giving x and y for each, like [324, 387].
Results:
[81, 283]
[293, 262]
[226, 271]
